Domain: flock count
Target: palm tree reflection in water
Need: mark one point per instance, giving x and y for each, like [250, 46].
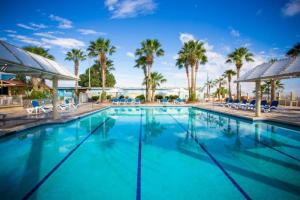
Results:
[152, 128]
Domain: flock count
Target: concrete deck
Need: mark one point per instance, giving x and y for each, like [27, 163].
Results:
[17, 118]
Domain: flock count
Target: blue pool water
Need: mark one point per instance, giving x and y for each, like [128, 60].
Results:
[152, 153]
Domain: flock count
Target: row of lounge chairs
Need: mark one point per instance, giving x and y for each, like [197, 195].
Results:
[137, 101]
[245, 105]
[42, 108]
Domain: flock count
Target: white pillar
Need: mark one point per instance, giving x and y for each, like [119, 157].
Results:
[258, 98]
[55, 98]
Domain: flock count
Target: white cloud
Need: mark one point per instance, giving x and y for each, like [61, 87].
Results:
[9, 31]
[62, 22]
[38, 26]
[89, 32]
[3, 38]
[130, 54]
[25, 39]
[129, 8]
[66, 43]
[185, 37]
[27, 27]
[234, 33]
[291, 8]
[45, 34]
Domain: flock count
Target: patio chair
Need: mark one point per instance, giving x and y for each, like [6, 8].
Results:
[165, 101]
[228, 103]
[243, 104]
[137, 101]
[235, 103]
[115, 101]
[3, 115]
[75, 105]
[251, 105]
[65, 106]
[273, 106]
[178, 101]
[129, 101]
[123, 101]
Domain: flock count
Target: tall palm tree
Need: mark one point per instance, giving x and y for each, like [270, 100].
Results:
[194, 52]
[238, 57]
[150, 48]
[266, 88]
[75, 55]
[294, 51]
[209, 84]
[36, 82]
[182, 62]
[141, 63]
[101, 48]
[229, 73]
[156, 80]
[220, 82]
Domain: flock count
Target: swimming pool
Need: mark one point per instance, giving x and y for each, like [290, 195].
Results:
[152, 153]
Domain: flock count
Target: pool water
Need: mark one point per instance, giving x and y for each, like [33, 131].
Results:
[152, 153]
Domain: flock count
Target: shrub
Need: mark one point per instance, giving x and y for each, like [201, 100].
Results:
[158, 96]
[141, 97]
[108, 97]
[35, 94]
[172, 97]
[95, 98]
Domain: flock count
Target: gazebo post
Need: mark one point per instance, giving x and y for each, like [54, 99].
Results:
[258, 98]
[54, 98]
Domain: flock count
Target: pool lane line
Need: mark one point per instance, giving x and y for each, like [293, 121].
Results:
[272, 148]
[214, 160]
[138, 181]
[40, 183]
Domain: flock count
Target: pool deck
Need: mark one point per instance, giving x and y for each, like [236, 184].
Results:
[17, 119]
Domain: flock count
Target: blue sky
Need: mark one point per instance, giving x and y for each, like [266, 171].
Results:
[267, 28]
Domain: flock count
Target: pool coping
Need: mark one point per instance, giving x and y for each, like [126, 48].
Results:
[11, 131]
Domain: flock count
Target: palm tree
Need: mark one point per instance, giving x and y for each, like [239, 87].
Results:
[209, 84]
[141, 63]
[229, 73]
[102, 48]
[150, 48]
[266, 88]
[182, 62]
[294, 51]
[75, 55]
[36, 82]
[220, 81]
[194, 53]
[238, 57]
[156, 80]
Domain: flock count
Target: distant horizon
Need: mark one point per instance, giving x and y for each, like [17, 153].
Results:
[268, 29]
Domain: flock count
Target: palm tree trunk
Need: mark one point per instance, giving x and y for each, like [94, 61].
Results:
[103, 70]
[193, 95]
[153, 94]
[273, 89]
[76, 80]
[238, 92]
[229, 87]
[35, 83]
[148, 80]
[219, 93]
[188, 80]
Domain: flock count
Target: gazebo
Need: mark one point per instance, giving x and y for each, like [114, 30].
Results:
[281, 69]
[18, 61]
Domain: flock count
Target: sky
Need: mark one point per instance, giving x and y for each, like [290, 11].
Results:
[267, 28]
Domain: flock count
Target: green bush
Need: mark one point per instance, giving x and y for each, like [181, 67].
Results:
[95, 98]
[141, 97]
[35, 94]
[172, 97]
[158, 97]
[108, 97]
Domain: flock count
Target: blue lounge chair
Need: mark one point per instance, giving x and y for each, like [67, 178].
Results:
[137, 101]
[123, 101]
[273, 106]
[228, 103]
[164, 101]
[251, 106]
[115, 101]
[36, 107]
[178, 101]
[129, 101]
[243, 104]
[235, 103]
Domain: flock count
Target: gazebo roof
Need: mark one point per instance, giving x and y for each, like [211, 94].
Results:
[18, 61]
[281, 69]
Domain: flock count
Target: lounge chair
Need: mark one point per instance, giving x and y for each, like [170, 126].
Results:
[165, 101]
[3, 115]
[228, 103]
[137, 101]
[273, 106]
[36, 108]
[243, 104]
[178, 101]
[75, 105]
[235, 103]
[251, 105]
[65, 106]
[123, 101]
[116, 101]
[129, 101]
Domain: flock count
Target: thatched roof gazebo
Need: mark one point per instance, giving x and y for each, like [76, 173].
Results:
[18, 61]
[281, 69]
